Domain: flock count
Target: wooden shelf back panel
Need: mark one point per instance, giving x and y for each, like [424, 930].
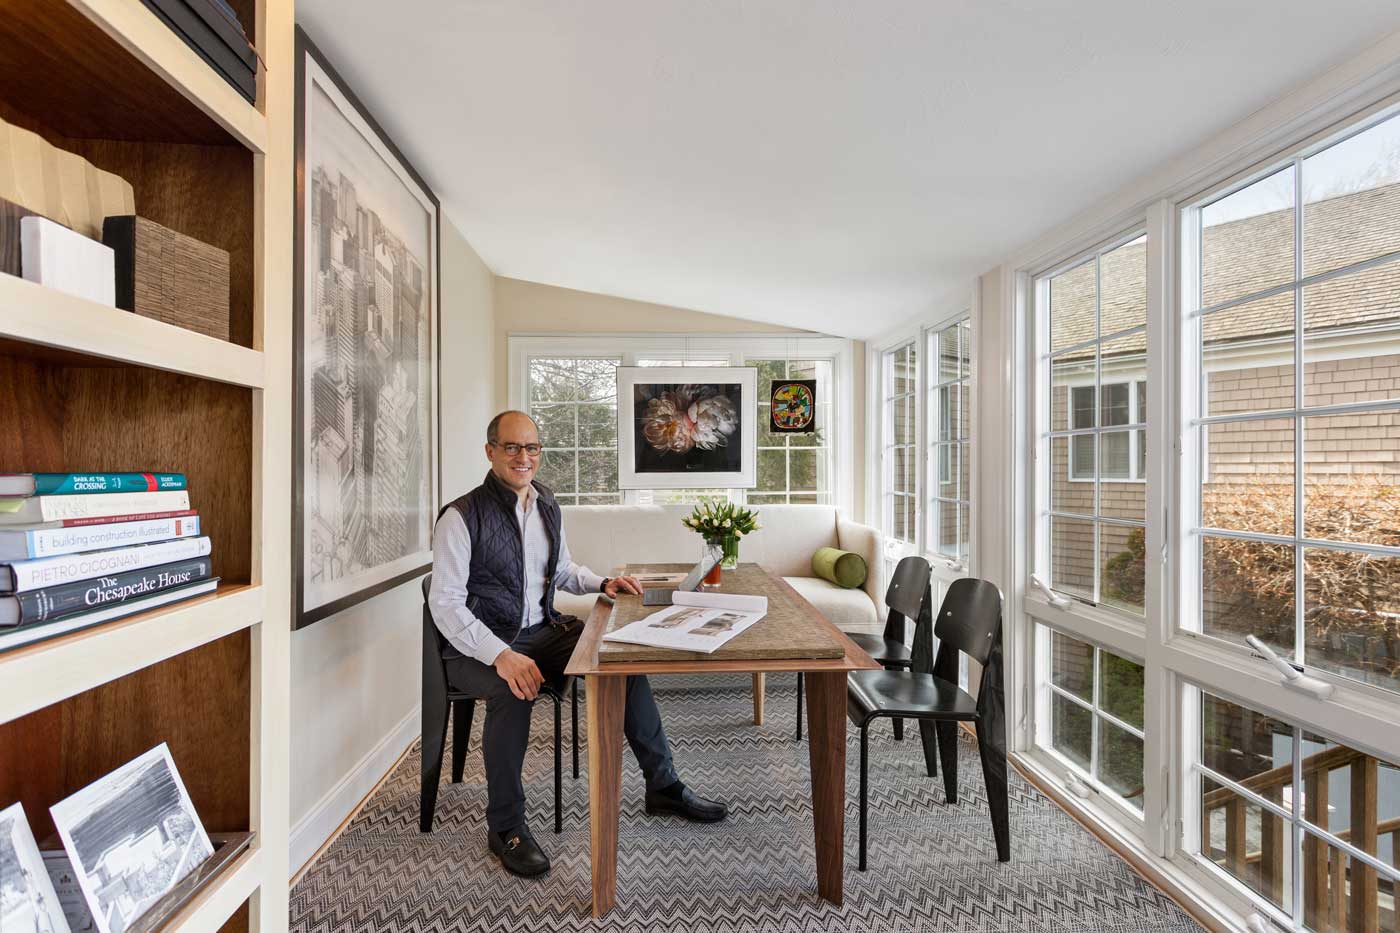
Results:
[198, 702]
[59, 63]
[202, 191]
[56, 418]
[145, 419]
[205, 192]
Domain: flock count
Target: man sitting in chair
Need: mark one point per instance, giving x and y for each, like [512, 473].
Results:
[498, 556]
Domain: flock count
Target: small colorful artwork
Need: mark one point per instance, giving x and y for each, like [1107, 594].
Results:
[794, 408]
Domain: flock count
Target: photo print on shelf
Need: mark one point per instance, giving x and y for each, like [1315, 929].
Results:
[131, 837]
[27, 898]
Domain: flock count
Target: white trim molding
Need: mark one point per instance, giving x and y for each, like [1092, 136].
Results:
[323, 821]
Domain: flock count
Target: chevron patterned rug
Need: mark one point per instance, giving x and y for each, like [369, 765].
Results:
[932, 866]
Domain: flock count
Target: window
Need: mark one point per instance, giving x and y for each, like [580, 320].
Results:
[1307, 825]
[1092, 317]
[1093, 715]
[1297, 343]
[1124, 453]
[574, 401]
[950, 448]
[568, 384]
[899, 452]
[793, 468]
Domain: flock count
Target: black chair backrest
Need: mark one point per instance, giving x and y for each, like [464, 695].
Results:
[970, 619]
[905, 594]
[434, 671]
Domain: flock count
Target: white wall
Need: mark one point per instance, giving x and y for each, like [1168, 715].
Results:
[355, 676]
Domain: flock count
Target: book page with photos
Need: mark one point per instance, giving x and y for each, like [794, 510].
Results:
[686, 628]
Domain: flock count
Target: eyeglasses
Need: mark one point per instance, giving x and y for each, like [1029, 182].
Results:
[513, 449]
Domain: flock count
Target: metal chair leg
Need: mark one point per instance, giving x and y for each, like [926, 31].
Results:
[462, 711]
[994, 776]
[864, 781]
[574, 702]
[434, 720]
[558, 768]
[948, 751]
[799, 706]
[928, 738]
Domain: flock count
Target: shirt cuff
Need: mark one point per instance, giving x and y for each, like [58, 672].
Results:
[489, 649]
[592, 582]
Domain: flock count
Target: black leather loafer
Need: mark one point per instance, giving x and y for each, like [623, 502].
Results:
[519, 852]
[688, 805]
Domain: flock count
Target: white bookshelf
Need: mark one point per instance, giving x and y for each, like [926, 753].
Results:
[223, 397]
[45, 317]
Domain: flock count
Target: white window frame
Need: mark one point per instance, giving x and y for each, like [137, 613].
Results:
[1041, 391]
[897, 548]
[736, 349]
[1044, 722]
[1176, 661]
[955, 565]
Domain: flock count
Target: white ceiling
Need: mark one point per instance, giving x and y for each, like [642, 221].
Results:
[833, 165]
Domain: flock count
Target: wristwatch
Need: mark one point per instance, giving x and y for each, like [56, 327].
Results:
[603, 587]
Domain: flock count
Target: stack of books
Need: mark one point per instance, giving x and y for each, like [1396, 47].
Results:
[77, 549]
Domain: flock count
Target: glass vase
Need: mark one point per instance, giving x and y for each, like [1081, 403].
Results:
[713, 549]
[729, 546]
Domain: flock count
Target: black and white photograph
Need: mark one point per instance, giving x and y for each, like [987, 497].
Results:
[674, 432]
[28, 903]
[366, 352]
[131, 836]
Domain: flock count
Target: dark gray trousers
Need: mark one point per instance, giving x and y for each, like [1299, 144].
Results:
[506, 732]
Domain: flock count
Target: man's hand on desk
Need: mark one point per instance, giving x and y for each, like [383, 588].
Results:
[520, 672]
[617, 585]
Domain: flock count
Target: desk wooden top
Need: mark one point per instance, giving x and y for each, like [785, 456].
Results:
[793, 636]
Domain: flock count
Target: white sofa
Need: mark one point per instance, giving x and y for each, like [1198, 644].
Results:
[603, 537]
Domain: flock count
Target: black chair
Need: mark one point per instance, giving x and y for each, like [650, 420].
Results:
[439, 699]
[968, 621]
[903, 597]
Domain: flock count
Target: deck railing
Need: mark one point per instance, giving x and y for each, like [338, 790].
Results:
[1340, 893]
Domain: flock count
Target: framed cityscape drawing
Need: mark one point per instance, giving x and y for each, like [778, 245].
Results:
[675, 432]
[365, 424]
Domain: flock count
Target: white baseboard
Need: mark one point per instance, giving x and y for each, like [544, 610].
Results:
[313, 830]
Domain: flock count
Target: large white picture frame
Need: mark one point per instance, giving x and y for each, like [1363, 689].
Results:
[687, 427]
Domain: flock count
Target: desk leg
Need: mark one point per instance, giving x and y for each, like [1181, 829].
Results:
[758, 699]
[606, 701]
[826, 744]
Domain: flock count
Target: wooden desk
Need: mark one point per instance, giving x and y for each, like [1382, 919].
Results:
[830, 655]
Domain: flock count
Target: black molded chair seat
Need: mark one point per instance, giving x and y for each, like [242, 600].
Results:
[899, 693]
[885, 651]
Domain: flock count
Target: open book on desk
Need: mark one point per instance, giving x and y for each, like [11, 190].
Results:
[694, 622]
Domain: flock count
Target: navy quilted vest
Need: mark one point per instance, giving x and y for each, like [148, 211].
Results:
[496, 575]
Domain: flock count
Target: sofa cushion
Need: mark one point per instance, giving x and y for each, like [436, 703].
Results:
[848, 610]
[844, 568]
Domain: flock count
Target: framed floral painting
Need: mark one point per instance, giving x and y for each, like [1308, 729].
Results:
[674, 432]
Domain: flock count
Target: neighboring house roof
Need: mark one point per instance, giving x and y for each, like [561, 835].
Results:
[1246, 256]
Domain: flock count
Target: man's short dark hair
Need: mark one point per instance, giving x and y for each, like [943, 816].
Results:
[493, 430]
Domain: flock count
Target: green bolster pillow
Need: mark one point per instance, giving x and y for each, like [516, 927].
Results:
[844, 568]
